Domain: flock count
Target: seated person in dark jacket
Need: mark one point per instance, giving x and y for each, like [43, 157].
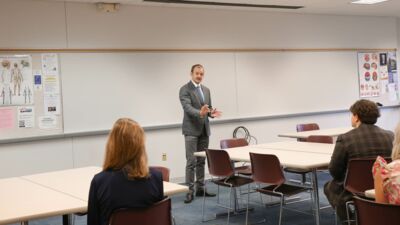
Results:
[126, 181]
[365, 141]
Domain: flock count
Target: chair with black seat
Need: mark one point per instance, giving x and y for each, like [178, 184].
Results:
[223, 174]
[234, 143]
[299, 128]
[157, 214]
[163, 170]
[267, 169]
[373, 213]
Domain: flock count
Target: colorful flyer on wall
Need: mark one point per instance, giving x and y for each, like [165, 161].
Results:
[37, 79]
[50, 64]
[52, 103]
[51, 84]
[368, 72]
[383, 73]
[47, 122]
[26, 117]
[7, 118]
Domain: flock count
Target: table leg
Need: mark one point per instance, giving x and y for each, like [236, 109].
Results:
[67, 219]
[316, 195]
[24, 223]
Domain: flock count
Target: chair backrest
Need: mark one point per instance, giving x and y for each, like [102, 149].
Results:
[164, 170]
[306, 127]
[266, 168]
[233, 143]
[157, 214]
[373, 213]
[320, 139]
[219, 163]
[359, 176]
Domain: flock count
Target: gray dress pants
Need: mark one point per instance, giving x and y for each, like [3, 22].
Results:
[195, 165]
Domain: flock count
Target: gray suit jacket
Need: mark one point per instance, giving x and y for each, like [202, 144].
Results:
[192, 124]
[362, 142]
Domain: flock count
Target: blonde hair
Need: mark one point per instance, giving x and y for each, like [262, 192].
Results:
[396, 143]
[126, 150]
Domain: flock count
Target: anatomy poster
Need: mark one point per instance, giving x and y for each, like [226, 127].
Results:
[16, 81]
[369, 76]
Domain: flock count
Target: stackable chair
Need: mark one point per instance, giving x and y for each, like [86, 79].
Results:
[157, 214]
[299, 128]
[320, 139]
[234, 143]
[267, 169]
[358, 179]
[223, 174]
[373, 213]
[164, 171]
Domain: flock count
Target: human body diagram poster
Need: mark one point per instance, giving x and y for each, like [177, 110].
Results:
[16, 81]
[378, 76]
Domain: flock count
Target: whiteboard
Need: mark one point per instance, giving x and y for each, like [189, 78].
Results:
[294, 82]
[98, 88]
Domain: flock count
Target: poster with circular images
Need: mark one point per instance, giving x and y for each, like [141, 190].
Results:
[16, 80]
[368, 69]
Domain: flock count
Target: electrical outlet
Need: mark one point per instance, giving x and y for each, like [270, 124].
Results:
[164, 157]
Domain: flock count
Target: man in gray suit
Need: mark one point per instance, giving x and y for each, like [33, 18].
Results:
[366, 140]
[196, 103]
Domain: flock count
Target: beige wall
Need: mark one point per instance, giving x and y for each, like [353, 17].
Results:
[40, 24]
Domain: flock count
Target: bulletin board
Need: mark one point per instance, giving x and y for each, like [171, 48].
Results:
[378, 76]
[30, 95]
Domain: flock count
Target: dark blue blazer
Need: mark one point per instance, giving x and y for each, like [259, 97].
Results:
[111, 190]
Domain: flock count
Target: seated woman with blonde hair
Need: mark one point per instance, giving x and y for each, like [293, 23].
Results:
[126, 181]
[387, 175]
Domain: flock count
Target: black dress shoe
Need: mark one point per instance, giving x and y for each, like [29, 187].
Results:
[202, 193]
[189, 198]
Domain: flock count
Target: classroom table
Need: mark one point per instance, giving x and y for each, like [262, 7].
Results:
[370, 193]
[333, 132]
[52, 194]
[76, 182]
[22, 200]
[294, 158]
[310, 147]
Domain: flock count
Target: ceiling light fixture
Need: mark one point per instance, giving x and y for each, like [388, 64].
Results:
[368, 2]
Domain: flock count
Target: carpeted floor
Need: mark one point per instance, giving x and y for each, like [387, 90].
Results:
[191, 214]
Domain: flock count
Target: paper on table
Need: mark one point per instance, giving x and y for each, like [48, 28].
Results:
[26, 117]
[52, 103]
[50, 64]
[6, 118]
[47, 122]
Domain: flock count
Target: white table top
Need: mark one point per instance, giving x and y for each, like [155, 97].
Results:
[288, 158]
[370, 193]
[21, 200]
[299, 147]
[333, 132]
[52, 194]
[76, 182]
